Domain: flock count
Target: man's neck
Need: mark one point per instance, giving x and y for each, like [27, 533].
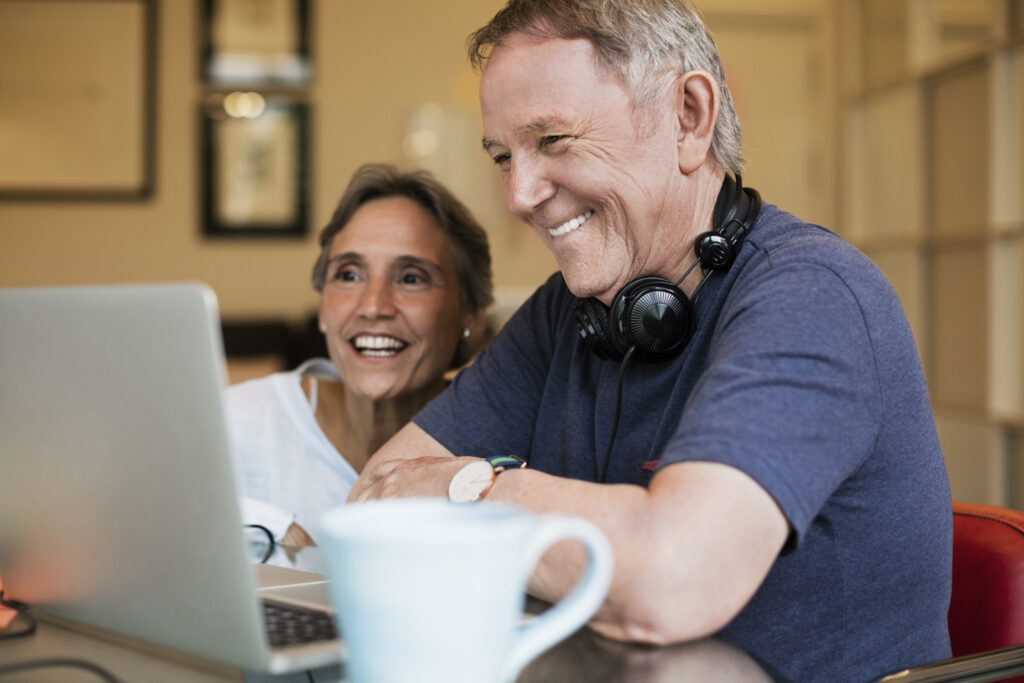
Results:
[696, 217]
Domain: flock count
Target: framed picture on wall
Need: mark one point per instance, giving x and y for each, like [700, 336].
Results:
[77, 79]
[255, 160]
[256, 42]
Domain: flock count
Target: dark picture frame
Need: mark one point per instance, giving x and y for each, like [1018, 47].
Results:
[255, 43]
[255, 155]
[79, 82]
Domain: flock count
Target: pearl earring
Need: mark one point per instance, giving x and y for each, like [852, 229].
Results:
[466, 333]
[323, 327]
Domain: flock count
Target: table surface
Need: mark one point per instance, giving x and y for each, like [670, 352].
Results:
[584, 657]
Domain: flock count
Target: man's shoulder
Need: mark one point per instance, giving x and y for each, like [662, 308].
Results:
[776, 229]
[546, 306]
[781, 239]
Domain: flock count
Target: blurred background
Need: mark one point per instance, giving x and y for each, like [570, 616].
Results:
[210, 140]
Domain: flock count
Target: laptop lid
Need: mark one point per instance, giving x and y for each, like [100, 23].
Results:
[118, 506]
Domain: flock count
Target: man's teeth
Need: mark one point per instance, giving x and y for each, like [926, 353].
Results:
[571, 224]
[373, 345]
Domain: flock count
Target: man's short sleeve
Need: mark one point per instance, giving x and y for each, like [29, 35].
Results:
[491, 406]
[791, 394]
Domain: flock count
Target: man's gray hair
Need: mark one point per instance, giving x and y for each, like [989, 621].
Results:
[644, 42]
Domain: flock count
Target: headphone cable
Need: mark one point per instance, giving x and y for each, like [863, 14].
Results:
[65, 662]
[689, 270]
[22, 611]
[618, 412]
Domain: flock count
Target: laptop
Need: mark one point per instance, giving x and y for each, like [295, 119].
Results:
[118, 507]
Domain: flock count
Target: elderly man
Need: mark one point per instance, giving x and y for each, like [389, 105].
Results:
[776, 477]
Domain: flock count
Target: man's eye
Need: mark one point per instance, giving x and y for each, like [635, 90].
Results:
[549, 140]
[500, 159]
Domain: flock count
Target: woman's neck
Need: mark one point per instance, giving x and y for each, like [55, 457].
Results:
[358, 426]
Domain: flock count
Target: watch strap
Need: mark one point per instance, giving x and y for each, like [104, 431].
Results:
[500, 463]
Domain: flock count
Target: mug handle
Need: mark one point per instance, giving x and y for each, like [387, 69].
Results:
[573, 610]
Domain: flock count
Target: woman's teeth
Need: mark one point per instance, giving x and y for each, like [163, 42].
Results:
[570, 225]
[380, 346]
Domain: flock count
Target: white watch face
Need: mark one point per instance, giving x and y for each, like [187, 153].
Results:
[471, 482]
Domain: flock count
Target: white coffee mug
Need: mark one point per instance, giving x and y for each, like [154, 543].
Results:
[428, 590]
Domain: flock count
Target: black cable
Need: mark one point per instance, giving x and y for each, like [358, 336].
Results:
[59, 661]
[688, 271]
[271, 543]
[618, 412]
[22, 610]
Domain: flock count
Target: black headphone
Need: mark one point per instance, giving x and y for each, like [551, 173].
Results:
[651, 314]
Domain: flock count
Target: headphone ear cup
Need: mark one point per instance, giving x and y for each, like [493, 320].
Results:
[592, 320]
[714, 250]
[652, 315]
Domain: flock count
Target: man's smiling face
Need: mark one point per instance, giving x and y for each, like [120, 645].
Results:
[577, 168]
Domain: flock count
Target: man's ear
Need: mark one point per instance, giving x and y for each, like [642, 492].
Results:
[697, 100]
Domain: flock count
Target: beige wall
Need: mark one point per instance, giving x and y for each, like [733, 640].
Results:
[375, 63]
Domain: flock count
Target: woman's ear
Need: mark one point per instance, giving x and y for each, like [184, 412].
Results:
[697, 99]
[476, 323]
[471, 334]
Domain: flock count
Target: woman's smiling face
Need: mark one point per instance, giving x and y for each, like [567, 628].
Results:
[390, 305]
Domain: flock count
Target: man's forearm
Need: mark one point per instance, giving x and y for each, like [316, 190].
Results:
[690, 550]
[678, 575]
[616, 510]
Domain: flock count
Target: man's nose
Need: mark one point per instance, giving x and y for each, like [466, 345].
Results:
[527, 186]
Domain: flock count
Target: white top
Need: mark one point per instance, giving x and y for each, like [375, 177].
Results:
[287, 469]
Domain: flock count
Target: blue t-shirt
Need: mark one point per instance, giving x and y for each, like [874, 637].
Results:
[802, 373]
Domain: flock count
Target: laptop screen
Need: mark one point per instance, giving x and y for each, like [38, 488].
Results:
[117, 499]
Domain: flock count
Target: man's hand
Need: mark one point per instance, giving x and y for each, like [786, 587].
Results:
[406, 477]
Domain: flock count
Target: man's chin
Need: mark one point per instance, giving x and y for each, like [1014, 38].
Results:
[582, 288]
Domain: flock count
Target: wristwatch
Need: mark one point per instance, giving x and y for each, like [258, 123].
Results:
[475, 479]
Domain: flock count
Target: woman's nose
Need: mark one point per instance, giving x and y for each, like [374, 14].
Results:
[377, 300]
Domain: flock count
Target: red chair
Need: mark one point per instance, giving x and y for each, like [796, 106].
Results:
[986, 611]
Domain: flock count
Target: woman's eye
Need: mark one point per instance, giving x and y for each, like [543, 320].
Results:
[412, 278]
[346, 275]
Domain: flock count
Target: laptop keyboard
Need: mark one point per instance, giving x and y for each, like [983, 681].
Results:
[291, 625]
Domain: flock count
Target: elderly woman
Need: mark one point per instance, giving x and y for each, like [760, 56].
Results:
[404, 275]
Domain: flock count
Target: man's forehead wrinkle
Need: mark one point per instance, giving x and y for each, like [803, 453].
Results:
[542, 125]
